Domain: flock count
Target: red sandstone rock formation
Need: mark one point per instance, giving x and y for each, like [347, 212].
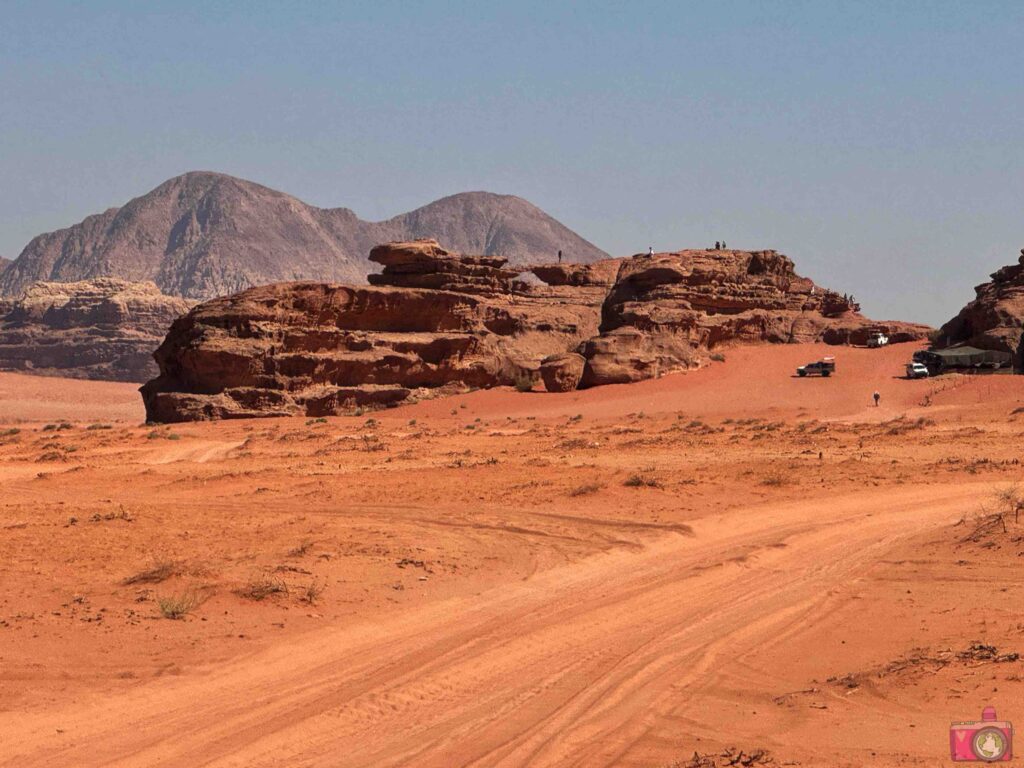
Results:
[96, 329]
[995, 318]
[666, 312]
[314, 348]
[435, 320]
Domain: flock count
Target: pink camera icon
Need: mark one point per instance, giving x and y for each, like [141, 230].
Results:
[982, 741]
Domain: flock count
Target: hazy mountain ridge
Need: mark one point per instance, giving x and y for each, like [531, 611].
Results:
[203, 234]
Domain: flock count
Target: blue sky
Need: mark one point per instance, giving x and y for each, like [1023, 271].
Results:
[878, 144]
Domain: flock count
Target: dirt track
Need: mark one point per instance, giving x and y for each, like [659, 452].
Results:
[622, 626]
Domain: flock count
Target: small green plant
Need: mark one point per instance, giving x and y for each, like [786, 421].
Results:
[718, 357]
[178, 606]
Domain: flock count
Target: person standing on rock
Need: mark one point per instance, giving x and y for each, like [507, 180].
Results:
[650, 250]
[877, 398]
[724, 246]
[718, 246]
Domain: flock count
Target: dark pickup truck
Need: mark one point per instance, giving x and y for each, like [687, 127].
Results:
[824, 367]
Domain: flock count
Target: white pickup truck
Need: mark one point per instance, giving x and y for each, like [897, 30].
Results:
[917, 371]
[877, 339]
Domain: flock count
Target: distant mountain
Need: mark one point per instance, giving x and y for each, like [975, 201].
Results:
[206, 234]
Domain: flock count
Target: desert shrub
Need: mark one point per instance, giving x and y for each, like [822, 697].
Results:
[1010, 499]
[262, 586]
[311, 592]
[160, 571]
[718, 357]
[178, 606]
[585, 490]
[301, 549]
[639, 481]
[93, 427]
[775, 480]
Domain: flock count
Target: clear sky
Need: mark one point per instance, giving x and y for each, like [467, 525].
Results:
[880, 144]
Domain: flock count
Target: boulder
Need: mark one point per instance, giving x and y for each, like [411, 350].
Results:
[562, 372]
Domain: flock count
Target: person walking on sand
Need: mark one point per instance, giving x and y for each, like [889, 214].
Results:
[877, 398]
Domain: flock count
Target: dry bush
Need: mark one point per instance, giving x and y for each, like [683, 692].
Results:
[262, 586]
[639, 481]
[301, 549]
[311, 592]
[161, 571]
[178, 606]
[585, 490]
[776, 480]
[1010, 499]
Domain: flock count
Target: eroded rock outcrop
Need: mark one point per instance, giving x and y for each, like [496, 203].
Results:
[666, 312]
[995, 318]
[434, 321]
[94, 329]
[315, 348]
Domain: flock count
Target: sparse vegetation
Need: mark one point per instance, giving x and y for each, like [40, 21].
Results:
[775, 480]
[160, 571]
[263, 585]
[640, 481]
[1010, 500]
[311, 592]
[178, 606]
[301, 549]
[718, 357]
[586, 489]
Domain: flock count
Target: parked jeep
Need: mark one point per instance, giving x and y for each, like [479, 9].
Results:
[824, 367]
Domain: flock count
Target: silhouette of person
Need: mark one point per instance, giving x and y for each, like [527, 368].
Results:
[718, 246]
[724, 246]
[559, 257]
[650, 250]
[877, 398]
